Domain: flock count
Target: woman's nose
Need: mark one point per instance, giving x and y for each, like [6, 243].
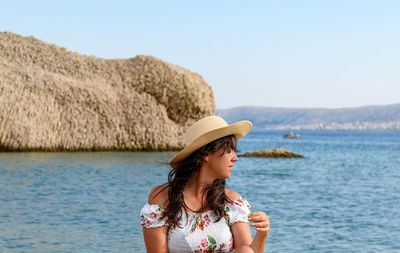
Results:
[234, 157]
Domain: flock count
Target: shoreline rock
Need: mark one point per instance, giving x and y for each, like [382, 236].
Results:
[272, 153]
[52, 99]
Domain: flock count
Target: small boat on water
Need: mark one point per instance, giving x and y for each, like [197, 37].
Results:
[291, 135]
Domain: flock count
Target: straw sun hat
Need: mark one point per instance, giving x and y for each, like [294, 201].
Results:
[207, 130]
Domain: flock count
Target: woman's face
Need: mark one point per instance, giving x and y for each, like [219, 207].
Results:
[221, 163]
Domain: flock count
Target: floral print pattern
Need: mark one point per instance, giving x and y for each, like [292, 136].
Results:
[199, 233]
[152, 217]
[209, 244]
[200, 222]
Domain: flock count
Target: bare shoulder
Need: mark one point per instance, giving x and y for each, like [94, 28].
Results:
[159, 195]
[232, 195]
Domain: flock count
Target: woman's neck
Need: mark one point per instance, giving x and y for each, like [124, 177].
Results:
[195, 188]
[194, 194]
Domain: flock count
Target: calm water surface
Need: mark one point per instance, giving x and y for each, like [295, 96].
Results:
[344, 196]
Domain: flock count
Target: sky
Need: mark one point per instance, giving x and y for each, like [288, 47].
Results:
[282, 53]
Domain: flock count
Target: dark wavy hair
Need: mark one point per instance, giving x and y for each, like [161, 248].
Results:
[188, 168]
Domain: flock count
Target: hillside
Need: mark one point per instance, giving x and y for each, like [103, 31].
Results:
[358, 118]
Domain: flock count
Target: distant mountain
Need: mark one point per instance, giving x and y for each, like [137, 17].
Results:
[385, 117]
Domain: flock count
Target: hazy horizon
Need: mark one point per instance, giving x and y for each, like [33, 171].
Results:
[291, 54]
[328, 108]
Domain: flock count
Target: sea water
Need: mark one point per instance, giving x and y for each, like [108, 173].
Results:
[344, 196]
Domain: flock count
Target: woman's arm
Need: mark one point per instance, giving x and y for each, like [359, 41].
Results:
[241, 230]
[156, 239]
[242, 235]
[261, 223]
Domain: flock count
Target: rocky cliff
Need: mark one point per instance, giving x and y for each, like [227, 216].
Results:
[52, 99]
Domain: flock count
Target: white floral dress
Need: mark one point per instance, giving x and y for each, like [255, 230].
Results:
[199, 232]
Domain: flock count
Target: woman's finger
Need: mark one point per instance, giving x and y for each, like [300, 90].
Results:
[262, 227]
[258, 213]
[260, 224]
[263, 230]
[260, 221]
[258, 216]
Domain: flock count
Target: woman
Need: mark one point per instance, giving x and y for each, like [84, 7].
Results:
[194, 212]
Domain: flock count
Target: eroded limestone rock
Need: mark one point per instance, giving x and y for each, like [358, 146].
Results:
[52, 99]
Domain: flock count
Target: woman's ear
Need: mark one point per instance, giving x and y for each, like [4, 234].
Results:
[206, 158]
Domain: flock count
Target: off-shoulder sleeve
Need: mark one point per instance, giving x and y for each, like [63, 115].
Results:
[151, 216]
[238, 211]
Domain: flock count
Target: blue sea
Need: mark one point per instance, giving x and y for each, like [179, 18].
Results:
[344, 196]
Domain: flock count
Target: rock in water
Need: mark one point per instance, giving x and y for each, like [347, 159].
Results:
[52, 99]
[272, 153]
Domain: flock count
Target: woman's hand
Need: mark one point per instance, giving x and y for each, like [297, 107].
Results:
[260, 222]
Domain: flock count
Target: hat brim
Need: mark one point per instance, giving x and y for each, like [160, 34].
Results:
[239, 129]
